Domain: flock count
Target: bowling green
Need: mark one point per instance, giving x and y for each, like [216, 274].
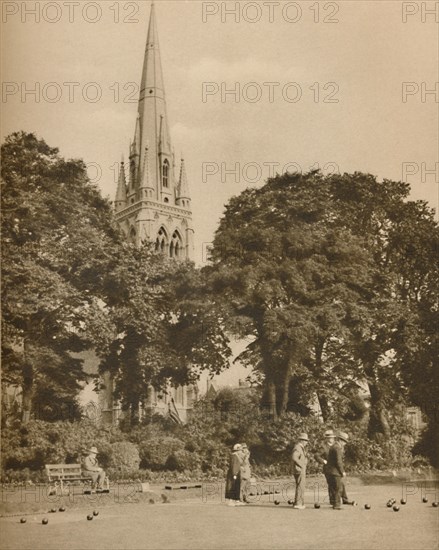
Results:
[204, 521]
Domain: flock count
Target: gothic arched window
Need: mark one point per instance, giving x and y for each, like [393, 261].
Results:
[176, 246]
[165, 178]
[161, 242]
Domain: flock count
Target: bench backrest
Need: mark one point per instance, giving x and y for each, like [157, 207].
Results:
[63, 471]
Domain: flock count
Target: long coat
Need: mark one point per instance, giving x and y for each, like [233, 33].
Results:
[233, 486]
[335, 466]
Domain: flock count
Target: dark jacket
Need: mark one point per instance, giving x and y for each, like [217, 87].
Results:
[322, 456]
[233, 486]
[335, 465]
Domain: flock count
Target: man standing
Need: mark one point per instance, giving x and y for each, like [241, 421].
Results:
[322, 458]
[233, 479]
[245, 472]
[335, 469]
[91, 467]
[300, 461]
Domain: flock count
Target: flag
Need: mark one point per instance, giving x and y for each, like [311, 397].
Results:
[173, 412]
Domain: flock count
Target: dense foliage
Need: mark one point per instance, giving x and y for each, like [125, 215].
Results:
[333, 280]
[71, 283]
[57, 238]
[201, 448]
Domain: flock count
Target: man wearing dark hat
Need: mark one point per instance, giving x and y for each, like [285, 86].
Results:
[300, 460]
[322, 458]
[335, 469]
[92, 468]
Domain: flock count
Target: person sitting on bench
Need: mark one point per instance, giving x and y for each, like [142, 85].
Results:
[91, 467]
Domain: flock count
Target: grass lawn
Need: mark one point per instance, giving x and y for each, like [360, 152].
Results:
[208, 523]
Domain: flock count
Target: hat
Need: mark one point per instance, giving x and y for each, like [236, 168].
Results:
[237, 447]
[343, 436]
[93, 450]
[329, 433]
[303, 437]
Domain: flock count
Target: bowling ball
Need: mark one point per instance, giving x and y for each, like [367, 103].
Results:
[89, 517]
[62, 509]
[52, 510]
[435, 504]
[23, 520]
[291, 502]
[425, 499]
[403, 501]
[95, 512]
[277, 502]
[396, 508]
[45, 521]
[316, 505]
[389, 504]
[367, 506]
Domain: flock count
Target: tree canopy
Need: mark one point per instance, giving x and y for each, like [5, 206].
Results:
[71, 283]
[57, 238]
[330, 276]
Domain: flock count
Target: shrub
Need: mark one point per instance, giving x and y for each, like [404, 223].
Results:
[182, 460]
[155, 452]
[124, 456]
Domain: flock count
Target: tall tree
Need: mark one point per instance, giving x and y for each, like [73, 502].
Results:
[290, 275]
[331, 277]
[57, 239]
[403, 238]
[166, 329]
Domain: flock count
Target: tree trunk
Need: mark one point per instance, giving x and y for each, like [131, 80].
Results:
[271, 395]
[27, 394]
[325, 408]
[285, 391]
[27, 387]
[134, 412]
[378, 423]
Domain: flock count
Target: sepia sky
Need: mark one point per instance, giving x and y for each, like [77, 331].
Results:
[338, 74]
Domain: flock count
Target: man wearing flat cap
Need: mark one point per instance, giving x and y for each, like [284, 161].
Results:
[322, 458]
[91, 467]
[335, 469]
[300, 460]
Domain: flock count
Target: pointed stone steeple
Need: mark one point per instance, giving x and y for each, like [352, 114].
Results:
[152, 113]
[121, 193]
[154, 205]
[183, 198]
[151, 205]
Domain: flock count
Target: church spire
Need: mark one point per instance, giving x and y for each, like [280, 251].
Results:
[153, 203]
[183, 198]
[121, 194]
[152, 113]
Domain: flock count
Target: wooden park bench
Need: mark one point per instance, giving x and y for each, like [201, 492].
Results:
[63, 477]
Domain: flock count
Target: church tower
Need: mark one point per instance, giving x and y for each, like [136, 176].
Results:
[152, 202]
